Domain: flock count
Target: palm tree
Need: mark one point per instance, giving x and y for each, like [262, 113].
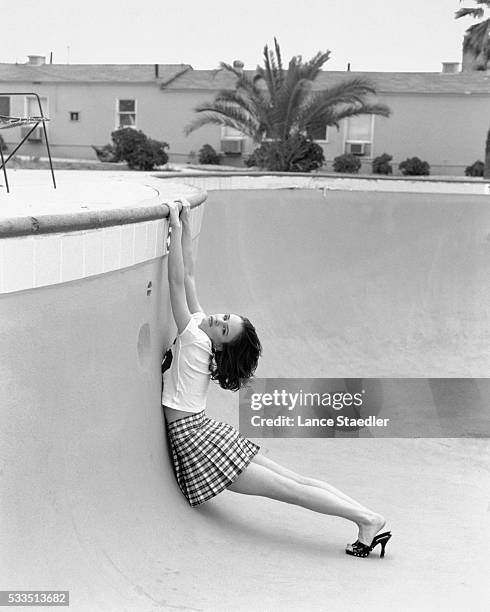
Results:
[476, 44]
[280, 105]
[476, 53]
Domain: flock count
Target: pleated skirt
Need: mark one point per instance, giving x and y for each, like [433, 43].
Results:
[207, 455]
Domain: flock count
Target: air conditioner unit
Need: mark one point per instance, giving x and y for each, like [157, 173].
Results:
[36, 135]
[232, 146]
[357, 148]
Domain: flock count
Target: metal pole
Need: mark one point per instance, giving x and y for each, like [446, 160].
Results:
[4, 170]
[46, 140]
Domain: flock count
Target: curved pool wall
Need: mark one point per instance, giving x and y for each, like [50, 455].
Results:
[351, 282]
[84, 317]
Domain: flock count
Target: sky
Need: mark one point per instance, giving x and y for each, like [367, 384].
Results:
[374, 35]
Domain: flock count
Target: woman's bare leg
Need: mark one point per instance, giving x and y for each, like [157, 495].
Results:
[259, 480]
[312, 482]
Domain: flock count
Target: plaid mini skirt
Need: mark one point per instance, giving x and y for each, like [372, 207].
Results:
[207, 455]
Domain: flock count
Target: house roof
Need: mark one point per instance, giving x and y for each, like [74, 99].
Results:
[184, 77]
[384, 82]
[90, 73]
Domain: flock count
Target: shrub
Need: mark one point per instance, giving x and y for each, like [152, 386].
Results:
[137, 150]
[208, 155]
[107, 153]
[3, 146]
[298, 153]
[381, 164]
[149, 154]
[251, 160]
[347, 163]
[126, 141]
[475, 169]
[413, 166]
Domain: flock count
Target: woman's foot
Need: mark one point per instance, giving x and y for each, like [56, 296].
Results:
[358, 549]
[369, 527]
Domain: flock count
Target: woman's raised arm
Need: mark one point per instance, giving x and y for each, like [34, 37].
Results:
[189, 279]
[178, 300]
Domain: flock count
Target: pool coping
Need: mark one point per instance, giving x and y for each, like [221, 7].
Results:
[74, 222]
[200, 182]
[29, 224]
[329, 175]
[211, 181]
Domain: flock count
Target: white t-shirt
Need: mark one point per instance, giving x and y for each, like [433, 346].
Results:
[186, 382]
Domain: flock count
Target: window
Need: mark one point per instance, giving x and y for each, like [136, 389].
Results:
[5, 106]
[32, 107]
[125, 114]
[74, 116]
[32, 110]
[229, 132]
[318, 131]
[231, 141]
[359, 135]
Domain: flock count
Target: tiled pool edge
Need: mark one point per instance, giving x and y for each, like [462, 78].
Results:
[44, 250]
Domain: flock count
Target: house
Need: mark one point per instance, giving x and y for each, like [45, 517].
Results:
[439, 117]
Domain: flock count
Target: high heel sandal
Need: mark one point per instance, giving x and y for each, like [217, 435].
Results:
[362, 550]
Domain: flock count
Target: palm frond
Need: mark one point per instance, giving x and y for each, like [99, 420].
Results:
[326, 107]
[242, 79]
[247, 103]
[311, 69]
[476, 13]
[278, 56]
[296, 88]
[355, 85]
[291, 94]
[249, 129]
[294, 101]
[298, 69]
[349, 93]
[477, 38]
[270, 73]
[352, 111]
[372, 109]
[222, 113]
[255, 107]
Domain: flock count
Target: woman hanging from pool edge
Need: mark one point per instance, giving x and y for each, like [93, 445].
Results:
[210, 456]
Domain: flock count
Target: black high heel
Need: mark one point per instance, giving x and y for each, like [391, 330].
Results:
[381, 539]
[362, 550]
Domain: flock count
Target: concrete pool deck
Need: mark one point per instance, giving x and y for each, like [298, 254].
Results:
[339, 284]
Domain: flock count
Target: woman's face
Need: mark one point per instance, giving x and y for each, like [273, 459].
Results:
[222, 328]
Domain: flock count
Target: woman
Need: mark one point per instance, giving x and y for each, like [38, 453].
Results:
[210, 456]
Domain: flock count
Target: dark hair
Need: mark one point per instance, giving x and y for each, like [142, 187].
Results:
[236, 362]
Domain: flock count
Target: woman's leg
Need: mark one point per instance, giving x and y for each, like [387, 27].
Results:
[312, 482]
[259, 480]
